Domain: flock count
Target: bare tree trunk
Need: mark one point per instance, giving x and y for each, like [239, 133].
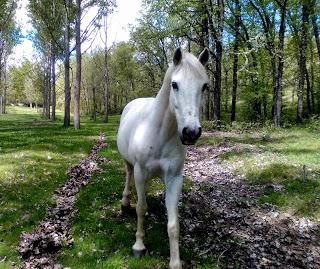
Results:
[277, 105]
[235, 61]
[53, 70]
[94, 101]
[1, 82]
[53, 84]
[67, 95]
[217, 72]
[308, 93]
[312, 76]
[226, 90]
[77, 86]
[302, 60]
[44, 92]
[48, 90]
[106, 75]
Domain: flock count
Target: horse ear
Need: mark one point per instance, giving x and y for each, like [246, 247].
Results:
[204, 56]
[177, 56]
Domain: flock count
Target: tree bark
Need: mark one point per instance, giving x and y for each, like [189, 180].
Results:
[226, 72]
[106, 75]
[235, 61]
[308, 93]
[48, 90]
[302, 60]
[77, 86]
[67, 95]
[217, 72]
[53, 84]
[277, 105]
[94, 103]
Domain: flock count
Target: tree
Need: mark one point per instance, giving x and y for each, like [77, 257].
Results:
[303, 38]
[9, 37]
[78, 69]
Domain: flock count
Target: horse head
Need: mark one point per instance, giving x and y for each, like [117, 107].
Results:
[188, 82]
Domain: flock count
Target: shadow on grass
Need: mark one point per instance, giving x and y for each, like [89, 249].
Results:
[34, 158]
[104, 237]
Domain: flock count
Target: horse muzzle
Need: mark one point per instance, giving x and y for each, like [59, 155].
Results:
[190, 136]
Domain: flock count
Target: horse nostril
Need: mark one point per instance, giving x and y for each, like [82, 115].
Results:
[185, 132]
[191, 134]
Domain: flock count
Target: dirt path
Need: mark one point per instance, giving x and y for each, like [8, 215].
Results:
[39, 248]
[221, 217]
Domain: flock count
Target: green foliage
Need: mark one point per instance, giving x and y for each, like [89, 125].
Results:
[25, 83]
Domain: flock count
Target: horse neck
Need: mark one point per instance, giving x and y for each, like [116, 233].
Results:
[162, 114]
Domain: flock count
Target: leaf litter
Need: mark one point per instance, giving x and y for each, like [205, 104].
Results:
[221, 217]
[39, 248]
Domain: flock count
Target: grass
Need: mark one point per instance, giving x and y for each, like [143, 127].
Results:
[36, 153]
[34, 156]
[290, 157]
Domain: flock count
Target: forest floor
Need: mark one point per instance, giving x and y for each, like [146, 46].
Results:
[251, 198]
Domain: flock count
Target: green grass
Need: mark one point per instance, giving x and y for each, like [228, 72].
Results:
[36, 153]
[104, 238]
[34, 157]
[290, 157]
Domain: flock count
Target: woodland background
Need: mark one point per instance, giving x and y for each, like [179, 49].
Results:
[264, 58]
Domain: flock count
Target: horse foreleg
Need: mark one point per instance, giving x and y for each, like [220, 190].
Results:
[173, 191]
[139, 248]
[125, 202]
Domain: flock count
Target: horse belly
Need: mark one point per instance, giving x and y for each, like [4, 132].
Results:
[132, 130]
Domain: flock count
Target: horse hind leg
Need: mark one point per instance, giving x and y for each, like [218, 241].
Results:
[125, 202]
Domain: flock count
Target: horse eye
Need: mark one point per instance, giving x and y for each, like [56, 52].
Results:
[174, 85]
[204, 87]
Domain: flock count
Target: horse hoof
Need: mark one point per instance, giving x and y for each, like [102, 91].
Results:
[139, 253]
[128, 211]
[125, 209]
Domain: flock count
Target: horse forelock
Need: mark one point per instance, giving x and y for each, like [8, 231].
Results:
[190, 65]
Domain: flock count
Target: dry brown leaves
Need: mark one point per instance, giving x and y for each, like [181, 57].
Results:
[39, 247]
[220, 216]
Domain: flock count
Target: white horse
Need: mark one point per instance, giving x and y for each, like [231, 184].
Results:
[152, 136]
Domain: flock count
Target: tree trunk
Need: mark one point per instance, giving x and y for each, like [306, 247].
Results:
[53, 84]
[94, 108]
[44, 92]
[226, 90]
[48, 87]
[308, 93]
[78, 70]
[67, 95]
[217, 72]
[277, 105]
[1, 84]
[316, 32]
[106, 75]
[235, 61]
[302, 60]
[312, 76]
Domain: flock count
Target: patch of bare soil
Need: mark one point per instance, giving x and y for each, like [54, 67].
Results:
[38, 248]
[220, 216]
